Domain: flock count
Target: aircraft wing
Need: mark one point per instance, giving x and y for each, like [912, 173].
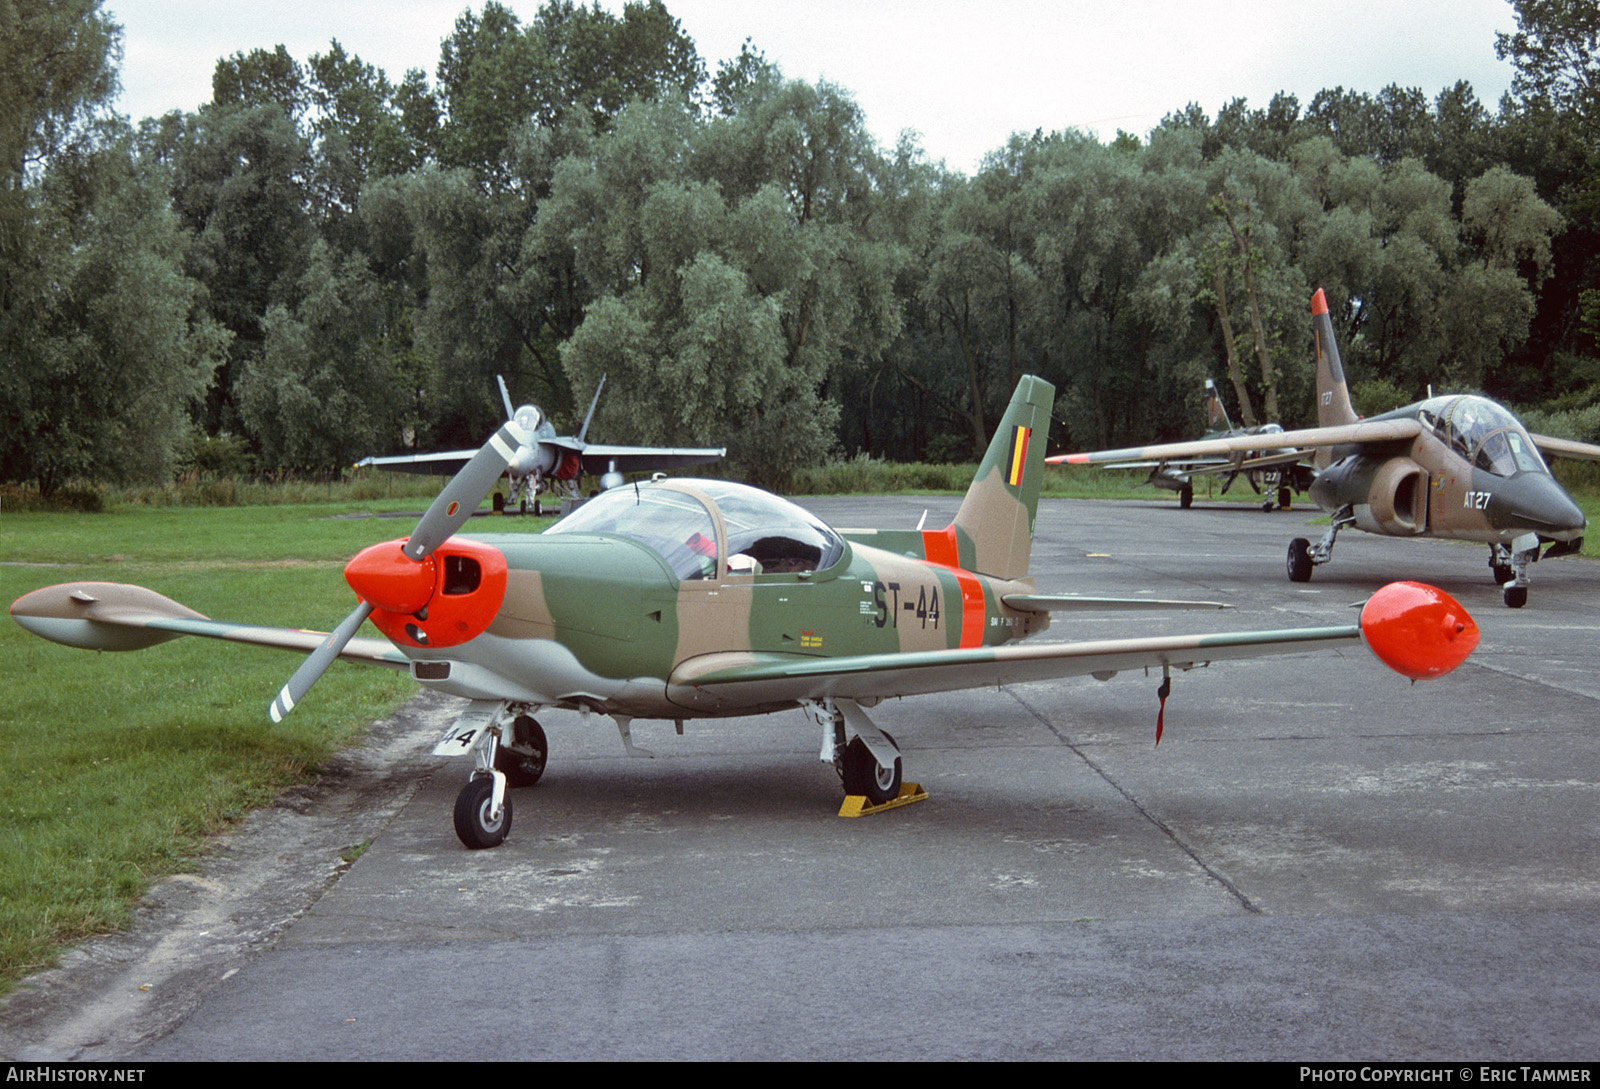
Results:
[1565, 448]
[1363, 432]
[114, 616]
[443, 463]
[598, 459]
[763, 679]
[1414, 629]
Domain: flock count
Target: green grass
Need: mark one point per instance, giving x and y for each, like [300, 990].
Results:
[115, 767]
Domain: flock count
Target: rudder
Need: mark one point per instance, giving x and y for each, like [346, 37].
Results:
[1333, 392]
[993, 531]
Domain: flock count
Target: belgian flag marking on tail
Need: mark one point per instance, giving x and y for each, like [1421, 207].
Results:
[1019, 455]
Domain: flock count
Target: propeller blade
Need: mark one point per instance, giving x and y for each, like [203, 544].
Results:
[448, 513]
[465, 491]
[317, 662]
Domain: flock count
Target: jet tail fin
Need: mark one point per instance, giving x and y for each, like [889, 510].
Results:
[505, 396]
[1216, 411]
[1333, 392]
[993, 531]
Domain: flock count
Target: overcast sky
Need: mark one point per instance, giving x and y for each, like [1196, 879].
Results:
[965, 75]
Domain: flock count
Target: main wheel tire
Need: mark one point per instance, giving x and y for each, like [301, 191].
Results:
[1516, 596]
[864, 775]
[474, 825]
[497, 503]
[1186, 497]
[1300, 560]
[523, 760]
[1285, 497]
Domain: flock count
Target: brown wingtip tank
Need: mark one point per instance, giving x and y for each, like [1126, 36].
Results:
[1458, 466]
[679, 599]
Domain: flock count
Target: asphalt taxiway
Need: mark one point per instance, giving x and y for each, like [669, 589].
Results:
[1320, 860]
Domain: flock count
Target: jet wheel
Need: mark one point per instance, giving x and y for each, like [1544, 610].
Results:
[1516, 596]
[864, 775]
[522, 760]
[1300, 560]
[1285, 497]
[1502, 573]
[1186, 497]
[474, 827]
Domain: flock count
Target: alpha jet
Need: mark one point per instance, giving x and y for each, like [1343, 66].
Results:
[545, 460]
[679, 599]
[1459, 467]
[1275, 473]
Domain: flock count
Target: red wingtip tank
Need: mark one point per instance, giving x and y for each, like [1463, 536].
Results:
[1417, 630]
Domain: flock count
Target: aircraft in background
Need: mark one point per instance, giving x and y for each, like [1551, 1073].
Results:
[1275, 473]
[546, 459]
[1458, 467]
[679, 599]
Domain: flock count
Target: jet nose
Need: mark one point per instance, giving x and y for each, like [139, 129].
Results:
[1535, 502]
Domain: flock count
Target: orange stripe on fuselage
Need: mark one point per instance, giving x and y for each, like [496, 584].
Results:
[939, 546]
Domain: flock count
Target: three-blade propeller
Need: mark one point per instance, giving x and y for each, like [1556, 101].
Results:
[449, 512]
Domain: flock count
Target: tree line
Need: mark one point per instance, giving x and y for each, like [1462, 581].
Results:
[320, 263]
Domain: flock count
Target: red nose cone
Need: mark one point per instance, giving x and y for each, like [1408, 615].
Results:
[1418, 630]
[387, 578]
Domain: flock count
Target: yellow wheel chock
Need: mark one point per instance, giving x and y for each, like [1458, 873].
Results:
[856, 805]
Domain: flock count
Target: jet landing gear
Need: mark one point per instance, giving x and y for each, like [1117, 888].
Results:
[1511, 569]
[1303, 555]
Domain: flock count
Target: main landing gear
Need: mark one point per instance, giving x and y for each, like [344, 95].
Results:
[1303, 555]
[868, 763]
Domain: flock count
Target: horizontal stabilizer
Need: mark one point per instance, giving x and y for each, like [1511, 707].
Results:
[1056, 603]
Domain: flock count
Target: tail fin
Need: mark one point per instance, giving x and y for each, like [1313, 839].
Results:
[1216, 411]
[1333, 392]
[993, 530]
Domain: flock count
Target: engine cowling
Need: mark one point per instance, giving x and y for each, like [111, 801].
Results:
[1397, 500]
[452, 596]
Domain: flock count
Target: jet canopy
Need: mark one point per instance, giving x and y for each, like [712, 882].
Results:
[1483, 432]
[703, 529]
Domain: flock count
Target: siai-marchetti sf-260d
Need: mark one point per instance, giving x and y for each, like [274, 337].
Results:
[681, 599]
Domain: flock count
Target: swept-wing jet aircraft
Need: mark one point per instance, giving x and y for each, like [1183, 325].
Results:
[545, 459]
[680, 599]
[1277, 474]
[1459, 466]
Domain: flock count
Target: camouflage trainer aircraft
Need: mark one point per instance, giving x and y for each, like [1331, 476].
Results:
[1277, 474]
[1459, 466]
[680, 599]
[545, 459]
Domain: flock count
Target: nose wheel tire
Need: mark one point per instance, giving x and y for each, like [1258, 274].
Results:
[864, 775]
[1300, 560]
[476, 826]
[1516, 596]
